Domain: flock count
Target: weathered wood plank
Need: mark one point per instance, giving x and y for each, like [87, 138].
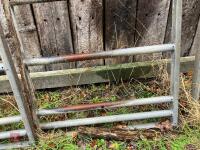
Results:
[20, 93]
[87, 25]
[195, 50]
[151, 25]
[5, 27]
[82, 76]
[116, 133]
[191, 13]
[54, 31]
[120, 17]
[29, 38]
[196, 42]
[23, 2]
[24, 87]
[3, 19]
[168, 32]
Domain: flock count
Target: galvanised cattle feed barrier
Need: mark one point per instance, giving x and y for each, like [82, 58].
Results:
[24, 91]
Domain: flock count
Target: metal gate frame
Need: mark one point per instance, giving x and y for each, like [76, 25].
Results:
[174, 48]
[20, 99]
[196, 77]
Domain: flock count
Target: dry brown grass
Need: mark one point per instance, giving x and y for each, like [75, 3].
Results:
[189, 108]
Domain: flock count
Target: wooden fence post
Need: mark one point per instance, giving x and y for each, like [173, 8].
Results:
[26, 88]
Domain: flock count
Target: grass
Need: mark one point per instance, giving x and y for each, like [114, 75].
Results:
[187, 139]
[187, 136]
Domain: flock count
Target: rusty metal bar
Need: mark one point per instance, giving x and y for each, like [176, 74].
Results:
[106, 105]
[23, 2]
[107, 119]
[100, 55]
[173, 113]
[87, 107]
[10, 134]
[15, 84]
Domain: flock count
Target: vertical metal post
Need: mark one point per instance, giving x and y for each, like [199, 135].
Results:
[196, 77]
[25, 71]
[176, 38]
[16, 86]
[24, 91]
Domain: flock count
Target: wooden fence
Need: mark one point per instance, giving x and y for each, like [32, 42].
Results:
[82, 26]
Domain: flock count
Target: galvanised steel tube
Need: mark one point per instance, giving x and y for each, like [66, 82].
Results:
[100, 55]
[196, 78]
[10, 120]
[106, 105]
[107, 119]
[23, 2]
[176, 38]
[12, 134]
[86, 107]
[15, 145]
[15, 84]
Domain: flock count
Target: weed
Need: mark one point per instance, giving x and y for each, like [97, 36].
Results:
[188, 134]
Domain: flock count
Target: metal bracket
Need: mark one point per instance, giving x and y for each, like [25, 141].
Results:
[2, 70]
[174, 48]
[196, 77]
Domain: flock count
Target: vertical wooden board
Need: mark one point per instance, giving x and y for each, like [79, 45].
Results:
[3, 19]
[196, 43]
[63, 29]
[28, 34]
[7, 30]
[191, 13]
[151, 25]
[195, 51]
[168, 33]
[120, 17]
[4, 24]
[87, 25]
[54, 31]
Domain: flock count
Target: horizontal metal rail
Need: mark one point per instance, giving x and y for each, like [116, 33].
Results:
[23, 2]
[106, 105]
[15, 145]
[12, 134]
[107, 119]
[87, 107]
[10, 120]
[100, 55]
